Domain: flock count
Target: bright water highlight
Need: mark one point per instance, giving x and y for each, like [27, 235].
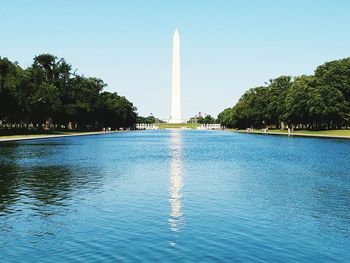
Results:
[175, 195]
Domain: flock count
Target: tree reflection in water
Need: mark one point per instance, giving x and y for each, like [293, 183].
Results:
[26, 183]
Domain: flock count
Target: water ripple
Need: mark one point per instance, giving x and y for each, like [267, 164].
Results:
[175, 196]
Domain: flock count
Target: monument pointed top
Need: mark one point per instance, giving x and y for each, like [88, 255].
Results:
[176, 31]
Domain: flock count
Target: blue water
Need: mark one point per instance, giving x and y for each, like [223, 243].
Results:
[175, 196]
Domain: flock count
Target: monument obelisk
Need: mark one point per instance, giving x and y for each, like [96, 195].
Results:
[175, 87]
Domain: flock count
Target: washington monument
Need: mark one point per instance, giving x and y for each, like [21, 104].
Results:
[175, 87]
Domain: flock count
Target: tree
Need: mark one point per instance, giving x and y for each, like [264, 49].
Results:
[335, 74]
[148, 120]
[296, 102]
[115, 111]
[227, 118]
[251, 109]
[10, 78]
[80, 103]
[277, 91]
[326, 106]
[48, 92]
[208, 120]
[321, 101]
[314, 106]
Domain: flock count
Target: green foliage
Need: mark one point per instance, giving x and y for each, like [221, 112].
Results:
[208, 119]
[147, 120]
[9, 80]
[335, 74]
[49, 92]
[321, 101]
[297, 100]
[227, 118]
[200, 119]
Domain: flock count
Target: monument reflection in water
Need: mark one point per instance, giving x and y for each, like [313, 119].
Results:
[176, 184]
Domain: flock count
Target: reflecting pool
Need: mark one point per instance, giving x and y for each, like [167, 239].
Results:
[175, 195]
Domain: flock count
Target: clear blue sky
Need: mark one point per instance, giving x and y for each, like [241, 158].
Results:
[226, 46]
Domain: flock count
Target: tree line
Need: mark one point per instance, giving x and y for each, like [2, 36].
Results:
[148, 120]
[49, 94]
[319, 101]
[208, 119]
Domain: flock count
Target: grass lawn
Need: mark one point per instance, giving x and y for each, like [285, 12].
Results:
[308, 132]
[16, 134]
[328, 132]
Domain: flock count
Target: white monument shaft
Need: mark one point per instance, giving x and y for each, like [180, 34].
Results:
[176, 89]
